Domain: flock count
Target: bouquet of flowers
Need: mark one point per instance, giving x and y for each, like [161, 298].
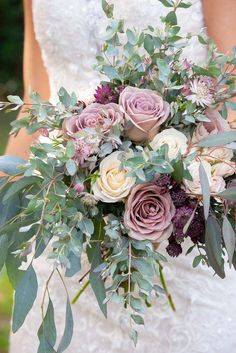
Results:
[150, 160]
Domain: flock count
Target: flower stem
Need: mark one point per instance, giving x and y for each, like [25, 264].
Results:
[74, 300]
[163, 282]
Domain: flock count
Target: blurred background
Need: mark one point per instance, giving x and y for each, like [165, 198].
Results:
[11, 42]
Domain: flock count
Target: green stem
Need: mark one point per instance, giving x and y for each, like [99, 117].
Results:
[163, 282]
[74, 300]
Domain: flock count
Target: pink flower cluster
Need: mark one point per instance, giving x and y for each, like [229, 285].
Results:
[141, 111]
[200, 90]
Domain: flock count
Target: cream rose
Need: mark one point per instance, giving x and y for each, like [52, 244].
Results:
[176, 141]
[217, 154]
[215, 124]
[217, 184]
[114, 183]
[224, 169]
[194, 186]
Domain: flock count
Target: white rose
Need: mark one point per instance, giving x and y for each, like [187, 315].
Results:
[194, 186]
[217, 184]
[224, 169]
[176, 141]
[217, 154]
[113, 184]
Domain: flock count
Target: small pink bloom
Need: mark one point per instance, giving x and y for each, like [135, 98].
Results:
[148, 213]
[44, 132]
[215, 125]
[82, 151]
[200, 90]
[145, 110]
[94, 115]
[186, 64]
[79, 187]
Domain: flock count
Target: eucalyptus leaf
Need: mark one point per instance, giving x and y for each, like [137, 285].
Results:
[47, 333]
[3, 250]
[71, 167]
[184, 5]
[111, 73]
[149, 44]
[171, 18]
[95, 258]
[64, 97]
[68, 330]
[15, 100]
[144, 266]
[25, 295]
[70, 149]
[229, 194]
[133, 334]
[131, 37]
[205, 190]
[229, 239]
[12, 165]
[220, 139]
[213, 245]
[167, 3]
[12, 264]
[75, 265]
[19, 185]
[108, 9]
[197, 260]
[178, 170]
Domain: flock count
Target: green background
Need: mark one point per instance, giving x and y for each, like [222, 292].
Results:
[11, 40]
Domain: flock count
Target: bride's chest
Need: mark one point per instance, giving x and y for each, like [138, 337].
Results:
[72, 26]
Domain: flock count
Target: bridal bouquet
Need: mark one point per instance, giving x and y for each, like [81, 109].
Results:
[150, 160]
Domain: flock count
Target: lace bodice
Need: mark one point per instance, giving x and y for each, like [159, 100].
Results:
[70, 34]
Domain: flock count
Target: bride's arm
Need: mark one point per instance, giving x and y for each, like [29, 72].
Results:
[34, 76]
[220, 19]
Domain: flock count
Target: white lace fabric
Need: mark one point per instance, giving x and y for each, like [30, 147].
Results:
[70, 33]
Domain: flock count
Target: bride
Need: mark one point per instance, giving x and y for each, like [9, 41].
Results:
[61, 42]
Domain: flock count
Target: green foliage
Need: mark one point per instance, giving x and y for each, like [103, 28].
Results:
[43, 207]
[25, 295]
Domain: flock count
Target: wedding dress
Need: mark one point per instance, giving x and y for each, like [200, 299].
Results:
[70, 33]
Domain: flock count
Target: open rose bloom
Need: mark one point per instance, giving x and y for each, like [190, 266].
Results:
[145, 111]
[148, 213]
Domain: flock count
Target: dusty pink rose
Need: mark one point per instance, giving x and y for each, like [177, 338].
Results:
[95, 114]
[148, 213]
[215, 125]
[145, 110]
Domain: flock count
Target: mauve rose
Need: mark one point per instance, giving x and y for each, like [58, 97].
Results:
[215, 125]
[95, 114]
[146, 110]
[148, 213]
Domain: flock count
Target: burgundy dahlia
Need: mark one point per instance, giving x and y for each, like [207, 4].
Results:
[105, 94]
